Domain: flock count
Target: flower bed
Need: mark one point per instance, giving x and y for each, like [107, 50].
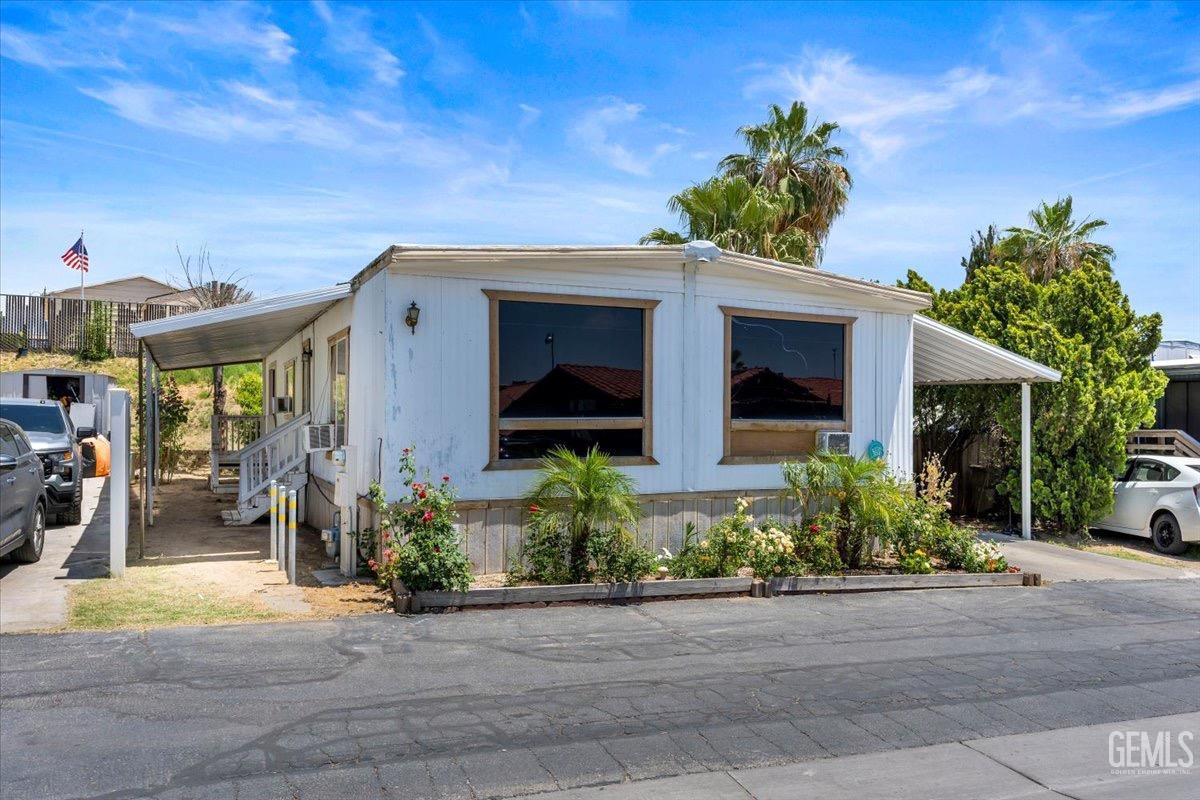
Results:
[866, 531]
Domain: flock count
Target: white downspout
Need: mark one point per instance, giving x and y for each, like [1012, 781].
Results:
[1026, 477]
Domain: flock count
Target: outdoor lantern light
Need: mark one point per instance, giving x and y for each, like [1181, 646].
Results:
[306, 352]
[410, 319]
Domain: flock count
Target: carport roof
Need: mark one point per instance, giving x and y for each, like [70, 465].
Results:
[946, 355]
[233, 334]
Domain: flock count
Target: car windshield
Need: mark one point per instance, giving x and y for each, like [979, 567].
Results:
[41, 419]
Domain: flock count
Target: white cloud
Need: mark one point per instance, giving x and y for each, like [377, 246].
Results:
[348, 33]
[890, 112]
[47, 51]
[885, 112]
[595, 9]
[594, 131]
[529, 115]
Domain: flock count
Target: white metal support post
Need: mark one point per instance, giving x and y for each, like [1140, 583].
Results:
[1026, 468]
[118, 480]
[281, 530]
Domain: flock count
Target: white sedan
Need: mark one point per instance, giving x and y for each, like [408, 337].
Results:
[1158, 497]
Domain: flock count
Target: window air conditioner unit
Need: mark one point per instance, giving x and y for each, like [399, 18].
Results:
[318, 438]
[283, 405]
[834, 441]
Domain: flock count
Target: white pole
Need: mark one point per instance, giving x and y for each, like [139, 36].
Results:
[118, 481]
[1026, 469]
[274, 495]
[292, 536]
[281, 529]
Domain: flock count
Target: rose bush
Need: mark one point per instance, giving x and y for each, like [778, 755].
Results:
[419, 544]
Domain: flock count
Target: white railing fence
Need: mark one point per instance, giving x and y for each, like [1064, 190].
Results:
[270, 457]
[1163, 442]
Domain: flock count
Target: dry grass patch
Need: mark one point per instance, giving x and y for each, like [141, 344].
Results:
[149, 597]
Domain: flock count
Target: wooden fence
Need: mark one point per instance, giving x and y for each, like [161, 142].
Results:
[60, 325]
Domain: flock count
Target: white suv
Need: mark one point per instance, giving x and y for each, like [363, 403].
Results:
[1158, 497]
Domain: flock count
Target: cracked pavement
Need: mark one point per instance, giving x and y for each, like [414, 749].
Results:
[513, 702]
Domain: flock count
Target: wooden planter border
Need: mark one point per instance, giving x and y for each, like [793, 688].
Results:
[575, 592]
[812, 584]
[700, 587]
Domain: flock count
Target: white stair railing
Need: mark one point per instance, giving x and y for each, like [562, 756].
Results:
[270, 458]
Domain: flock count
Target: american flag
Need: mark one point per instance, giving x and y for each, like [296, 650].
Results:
[76, 257]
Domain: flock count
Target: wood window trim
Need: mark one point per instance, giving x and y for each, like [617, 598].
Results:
[645, 422]
[330, 342]
[729, 425]
[272, 386]
[290, 363]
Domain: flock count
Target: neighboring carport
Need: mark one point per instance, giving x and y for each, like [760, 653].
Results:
[217, 337]
[943, 355]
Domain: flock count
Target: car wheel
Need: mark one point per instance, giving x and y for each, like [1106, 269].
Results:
[75, 514]
[1166, 535]
[31, 550]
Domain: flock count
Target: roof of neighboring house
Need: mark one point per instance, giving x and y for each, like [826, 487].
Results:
[511, 393]
[129, 289]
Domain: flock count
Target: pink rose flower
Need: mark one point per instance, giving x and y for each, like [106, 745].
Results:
[428, 517]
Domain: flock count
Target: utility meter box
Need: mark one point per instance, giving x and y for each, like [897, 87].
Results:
[339, 457]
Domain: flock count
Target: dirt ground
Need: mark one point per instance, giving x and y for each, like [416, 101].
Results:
[189, 543]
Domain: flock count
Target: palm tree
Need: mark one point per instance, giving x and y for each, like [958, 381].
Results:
[793, 156]
[581, 495]
[857, 488]
[1055, 243]
[734, 213]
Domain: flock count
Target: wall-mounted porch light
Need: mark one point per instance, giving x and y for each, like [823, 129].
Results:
[306, 351]
[410, 319]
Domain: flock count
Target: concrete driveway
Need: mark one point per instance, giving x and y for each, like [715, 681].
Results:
[1057, 563]
[34, 596]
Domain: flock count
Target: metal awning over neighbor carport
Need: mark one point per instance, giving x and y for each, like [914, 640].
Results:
[943, 355]
[215, 337]
[233, 334]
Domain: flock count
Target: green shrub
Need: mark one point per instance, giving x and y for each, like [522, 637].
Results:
[616, 557]
[772, 552]
[94, 343]
[858, 490]
[574, 498]
[915, 562]
[420, 546]
[722, 551]
[172, 420]
[816, 545]
[248, 392]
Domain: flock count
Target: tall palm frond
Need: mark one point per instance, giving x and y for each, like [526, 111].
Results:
[788, 154]
[1055, 243]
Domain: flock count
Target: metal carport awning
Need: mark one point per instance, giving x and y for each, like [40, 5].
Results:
[233, 334]
[943, 355]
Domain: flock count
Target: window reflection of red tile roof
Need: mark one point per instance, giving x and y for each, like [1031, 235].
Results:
[617, 382]
[829, 389]
[511, 393]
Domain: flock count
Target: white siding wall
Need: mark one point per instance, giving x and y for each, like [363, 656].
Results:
[363, 313]
[436, 381]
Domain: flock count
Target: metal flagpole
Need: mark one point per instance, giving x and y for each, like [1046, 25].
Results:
[81, 270]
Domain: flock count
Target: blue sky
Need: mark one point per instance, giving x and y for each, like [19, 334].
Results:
[297, 140]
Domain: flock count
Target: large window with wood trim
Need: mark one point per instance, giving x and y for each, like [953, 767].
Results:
[570, 371]
[786, 377]
[339, 384]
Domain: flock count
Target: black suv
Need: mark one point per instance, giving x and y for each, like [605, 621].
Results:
[56, 442]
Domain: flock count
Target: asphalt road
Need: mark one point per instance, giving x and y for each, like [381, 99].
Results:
[500, 703]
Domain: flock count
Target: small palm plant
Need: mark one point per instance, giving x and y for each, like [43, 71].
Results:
[579, 496]
[858, 490]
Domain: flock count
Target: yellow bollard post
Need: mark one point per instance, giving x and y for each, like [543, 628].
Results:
[274, 497]
[281, 531]
[292, 536]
